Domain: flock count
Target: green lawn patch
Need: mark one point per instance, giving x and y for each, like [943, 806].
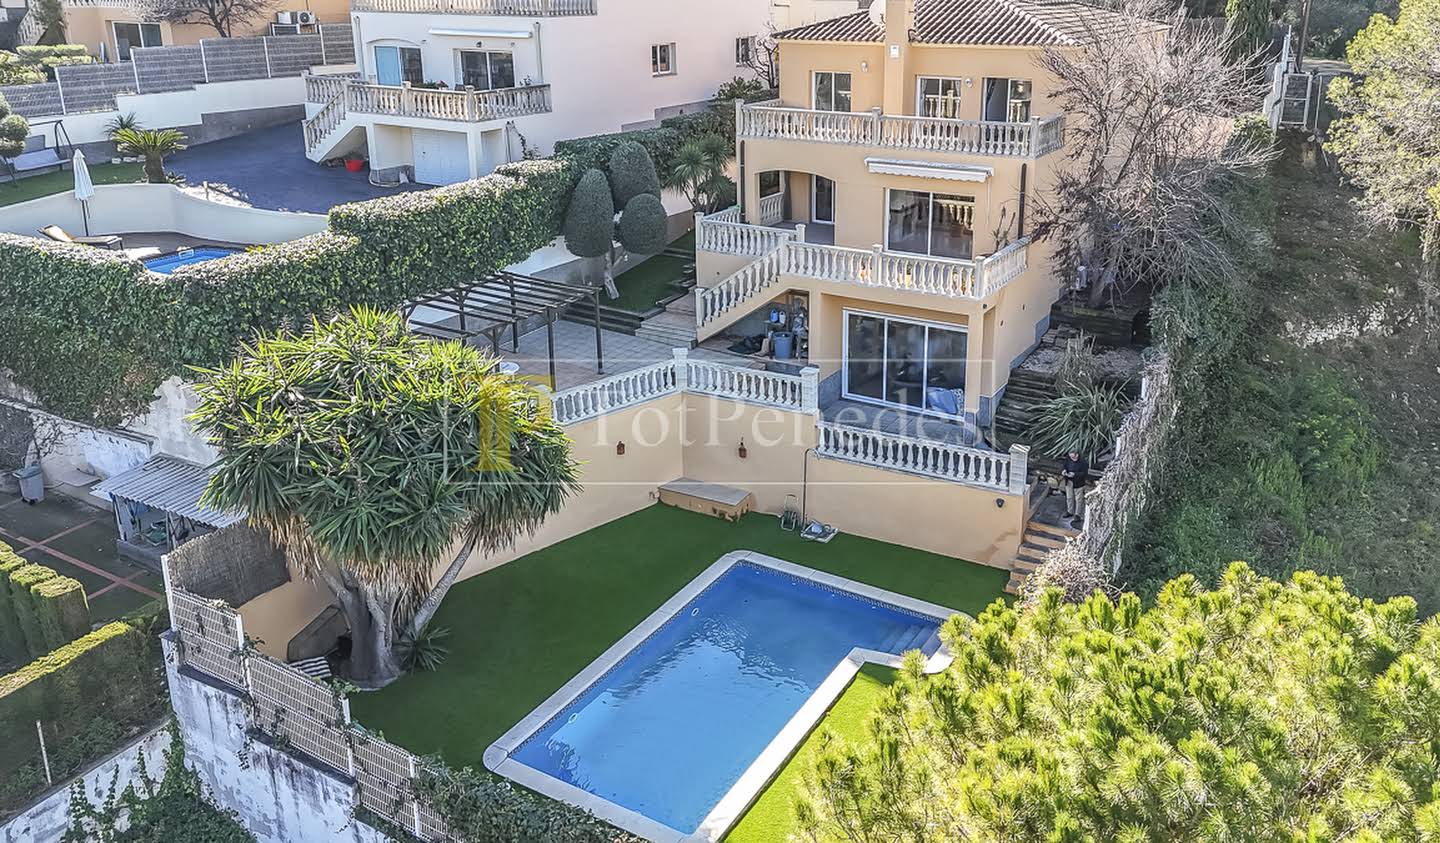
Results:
[524, 629]
[35, 187]
[772, 817]
[647, 282]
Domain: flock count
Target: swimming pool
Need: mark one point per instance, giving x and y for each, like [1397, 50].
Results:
[664, 725]
[165, 264]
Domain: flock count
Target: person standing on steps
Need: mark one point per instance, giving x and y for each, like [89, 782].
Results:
[1074, 471]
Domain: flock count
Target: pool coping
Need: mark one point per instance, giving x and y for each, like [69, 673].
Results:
[755, 778]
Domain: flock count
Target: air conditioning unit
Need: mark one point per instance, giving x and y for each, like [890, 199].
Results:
[286, 18]
[284, 29]
[305, 18]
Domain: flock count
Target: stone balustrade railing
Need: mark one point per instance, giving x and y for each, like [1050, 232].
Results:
[1032, 138]
[323, 122]
[786, 253]
[999, 471]
[498, 8]
[465, 105]
[772, 209]
[930, 458]
[324, 88]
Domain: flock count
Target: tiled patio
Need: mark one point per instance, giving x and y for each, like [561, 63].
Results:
[78, 541]
[575, 354]
[815, 232]
[892, 420]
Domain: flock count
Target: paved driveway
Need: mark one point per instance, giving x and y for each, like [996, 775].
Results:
[268, 169]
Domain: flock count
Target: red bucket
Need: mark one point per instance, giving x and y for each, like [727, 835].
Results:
[354, 165]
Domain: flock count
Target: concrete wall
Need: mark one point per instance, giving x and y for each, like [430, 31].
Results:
[279, 797]
[129, 208]
[92, 25]
[46, 821]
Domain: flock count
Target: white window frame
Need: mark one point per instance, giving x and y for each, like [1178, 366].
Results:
[815, 183]
[985, 83]
[847, 312]
[489, 70]
[668, 66]
[744, 50]
[141, 24]
[930, 232]
[815, 89]
[920, 92]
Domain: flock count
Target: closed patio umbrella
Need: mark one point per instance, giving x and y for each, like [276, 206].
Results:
[84, 187]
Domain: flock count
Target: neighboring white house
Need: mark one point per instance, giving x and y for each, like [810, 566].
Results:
[449, 89]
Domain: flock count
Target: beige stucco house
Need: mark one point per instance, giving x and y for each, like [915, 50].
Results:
[888, 197]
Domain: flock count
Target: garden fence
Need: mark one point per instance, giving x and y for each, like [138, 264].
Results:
[80, 88]
[299, 714]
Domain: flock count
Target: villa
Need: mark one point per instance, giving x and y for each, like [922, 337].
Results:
[445, 90]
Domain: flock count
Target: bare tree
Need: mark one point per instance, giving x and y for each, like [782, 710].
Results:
[1151, 111]
[764, 59]
[222, 15]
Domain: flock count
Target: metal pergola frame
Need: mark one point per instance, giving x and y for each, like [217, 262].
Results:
[486, 307]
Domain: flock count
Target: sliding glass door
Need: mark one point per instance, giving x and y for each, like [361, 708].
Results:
[905, 362]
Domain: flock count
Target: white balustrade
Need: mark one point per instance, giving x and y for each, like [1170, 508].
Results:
[832, 263]
[323, 122]
[772, 209]
[737, 238]
[749, 280]
[754, 386]
[927, 457]
[922, 274]
[326, 87]
[886, 131]
[519, 8]
[1005, 265]
[613, 393]
[466, 105]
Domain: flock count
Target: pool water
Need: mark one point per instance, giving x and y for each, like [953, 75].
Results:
[676, 722]
[165, 264]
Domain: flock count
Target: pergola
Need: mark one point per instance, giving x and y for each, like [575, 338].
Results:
[486, 307]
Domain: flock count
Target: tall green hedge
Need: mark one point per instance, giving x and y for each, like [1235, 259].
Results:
[12, 638]
[21, 581]
[62, 611]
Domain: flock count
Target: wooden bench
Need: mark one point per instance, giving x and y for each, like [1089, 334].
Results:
[726, 502]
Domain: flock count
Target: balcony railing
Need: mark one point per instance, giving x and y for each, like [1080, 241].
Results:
[941, 460]
[467, 106]
[498, 8]
[1033, 138]
[326, 88]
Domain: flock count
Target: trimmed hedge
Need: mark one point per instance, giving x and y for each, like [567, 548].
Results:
[21, 581]
[12, 638]
[62, 611]
[432, 239]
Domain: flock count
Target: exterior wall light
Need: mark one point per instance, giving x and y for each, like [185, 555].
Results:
[620, 448]
[999, 503]
[741, 450]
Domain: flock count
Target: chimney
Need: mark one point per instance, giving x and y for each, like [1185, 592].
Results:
[899, 21]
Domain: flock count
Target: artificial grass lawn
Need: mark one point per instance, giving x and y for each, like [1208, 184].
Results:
[35, 187]
[647, 281]
[522, 630]
[772, 817]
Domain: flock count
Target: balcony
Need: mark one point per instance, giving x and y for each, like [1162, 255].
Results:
[498, 8]
[1031, 139]
[469, 106]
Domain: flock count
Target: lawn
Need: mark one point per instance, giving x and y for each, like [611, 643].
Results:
[772, 817]
[524, 629]
[35, 187]
[650, 280]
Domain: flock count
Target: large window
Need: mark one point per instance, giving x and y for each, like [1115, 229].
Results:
[486, 71]
[1007, 100]
[822, 200]
[662, 59]
[930, 223]
[770, 183]
[128, 36]
[832, 91]
[394, 65]
[938, 97]
[905, 362]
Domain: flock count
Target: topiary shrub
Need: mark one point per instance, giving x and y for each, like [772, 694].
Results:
[632, 174]
[12, 638]
[590, 219]
[13, 130]
[642, 225]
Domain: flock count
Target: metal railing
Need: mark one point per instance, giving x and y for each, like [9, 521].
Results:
[928, 457]
[1032, 138]
[499, 8]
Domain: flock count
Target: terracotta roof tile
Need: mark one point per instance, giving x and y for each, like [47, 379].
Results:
[987, 23]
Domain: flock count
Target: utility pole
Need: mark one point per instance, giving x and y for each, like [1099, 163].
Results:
[1304, 34]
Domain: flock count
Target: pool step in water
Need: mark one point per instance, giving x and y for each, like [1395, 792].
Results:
[906, 638]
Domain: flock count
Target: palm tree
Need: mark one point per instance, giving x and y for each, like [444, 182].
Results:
[698, 171]
[375, 457]
[153, 145]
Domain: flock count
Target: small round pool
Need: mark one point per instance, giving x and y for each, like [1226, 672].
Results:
[166, 264]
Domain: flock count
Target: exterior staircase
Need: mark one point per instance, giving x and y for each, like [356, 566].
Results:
[1026, 394]
[1039, 540]
[673, 327]
[611, 318]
